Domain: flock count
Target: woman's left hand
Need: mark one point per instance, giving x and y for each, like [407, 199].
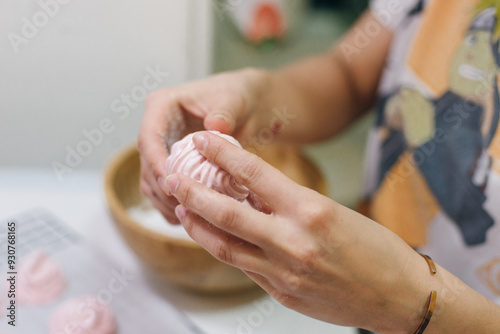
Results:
[310, 253]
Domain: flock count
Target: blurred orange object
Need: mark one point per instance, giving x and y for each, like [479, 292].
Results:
[267, 23]
[260, 21]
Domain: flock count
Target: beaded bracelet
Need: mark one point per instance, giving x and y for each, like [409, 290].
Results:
[432, 297]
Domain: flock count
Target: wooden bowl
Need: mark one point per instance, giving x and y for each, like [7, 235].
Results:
[182, 261]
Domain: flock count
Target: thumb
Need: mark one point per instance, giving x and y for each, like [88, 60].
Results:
[225, 117]
[221, 121]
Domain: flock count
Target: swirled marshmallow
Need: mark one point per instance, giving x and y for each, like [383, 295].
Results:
[184, 158]
[83, 315]
[40, 279]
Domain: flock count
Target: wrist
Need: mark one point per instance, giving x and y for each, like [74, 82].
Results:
[264, 102]
[258, 82]
[408, 297]
[458, 308]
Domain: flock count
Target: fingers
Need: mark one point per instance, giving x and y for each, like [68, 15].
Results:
[223, 246]
[224, 114]
[283, 298]
[219, 116]
[261, 281]
[170, 114]
[168, 214]
[153, 150]
[152, 142]
[261, 178]
[222, 211]
[163, 121]
[258, 204]
[161, 201]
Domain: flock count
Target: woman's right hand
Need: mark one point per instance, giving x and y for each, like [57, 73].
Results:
[226, 103]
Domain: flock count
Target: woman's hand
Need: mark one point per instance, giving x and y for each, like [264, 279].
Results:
[224, 103]
[310, 253]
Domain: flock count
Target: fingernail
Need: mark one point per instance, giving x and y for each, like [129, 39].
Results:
[172, 182]
[200, 141]
[162, 181]
[224, 118]
[180, 212]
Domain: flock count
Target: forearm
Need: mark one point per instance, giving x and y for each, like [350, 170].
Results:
[322, 95]
[319, 97]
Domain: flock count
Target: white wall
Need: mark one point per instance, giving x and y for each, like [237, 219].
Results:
[73, 72]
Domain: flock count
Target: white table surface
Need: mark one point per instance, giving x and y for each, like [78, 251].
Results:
[79, 202]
